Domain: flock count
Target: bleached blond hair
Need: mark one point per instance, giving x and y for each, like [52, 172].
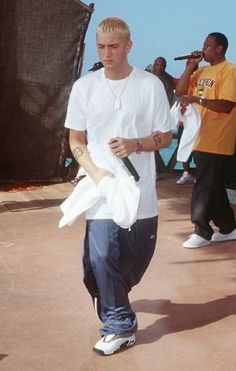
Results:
[114, 24]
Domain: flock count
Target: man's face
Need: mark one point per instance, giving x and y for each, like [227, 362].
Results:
[113, 48]
[211, 49]
[159, 66]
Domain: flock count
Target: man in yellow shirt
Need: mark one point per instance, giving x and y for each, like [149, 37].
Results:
[213, 89]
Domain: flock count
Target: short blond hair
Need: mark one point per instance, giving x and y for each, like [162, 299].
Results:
[114, 24]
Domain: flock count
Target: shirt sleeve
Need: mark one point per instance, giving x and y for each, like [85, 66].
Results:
[75, 116]
[162, 120]
[227, 90]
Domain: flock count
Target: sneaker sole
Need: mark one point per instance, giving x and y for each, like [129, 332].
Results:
[126, 344]
[197, 247]
[223, 240]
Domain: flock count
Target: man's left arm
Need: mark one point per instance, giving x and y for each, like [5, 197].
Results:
[123, 147]
[217, 105]
[226, 98]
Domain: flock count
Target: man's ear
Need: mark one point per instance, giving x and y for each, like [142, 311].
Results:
[219, 49]
[129, 46]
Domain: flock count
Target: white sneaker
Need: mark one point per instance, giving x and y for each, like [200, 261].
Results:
[218, 237]
[185, 178]
[110, 344]
[195, 241]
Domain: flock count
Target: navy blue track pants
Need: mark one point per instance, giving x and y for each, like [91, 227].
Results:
[115, 260]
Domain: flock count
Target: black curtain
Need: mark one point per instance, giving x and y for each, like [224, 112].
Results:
[42, 44]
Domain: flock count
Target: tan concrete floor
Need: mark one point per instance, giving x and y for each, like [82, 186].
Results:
[186, 302]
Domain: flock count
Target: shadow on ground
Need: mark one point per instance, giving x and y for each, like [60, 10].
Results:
[18, 206]
[181, 317]
[2, 356]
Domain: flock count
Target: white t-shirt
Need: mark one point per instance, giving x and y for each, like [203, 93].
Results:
[144, 109]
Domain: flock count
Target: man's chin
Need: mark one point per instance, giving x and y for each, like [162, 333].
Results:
[108, 64]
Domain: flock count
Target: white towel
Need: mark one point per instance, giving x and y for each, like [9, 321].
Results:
[121, 192]
[84, 195]
[191, 120]
[122, 196]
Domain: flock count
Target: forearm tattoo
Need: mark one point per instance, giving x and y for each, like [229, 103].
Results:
[78, 152]
[157, 140]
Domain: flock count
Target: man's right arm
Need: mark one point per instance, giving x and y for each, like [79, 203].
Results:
[184, 81]
[78, 145]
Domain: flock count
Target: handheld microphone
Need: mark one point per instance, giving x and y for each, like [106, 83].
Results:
[188, 56]
[128, 164]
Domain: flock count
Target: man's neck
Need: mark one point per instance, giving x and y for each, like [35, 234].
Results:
[118, 74]
[217, 61]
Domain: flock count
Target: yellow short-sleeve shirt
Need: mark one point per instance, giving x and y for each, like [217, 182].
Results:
[218, 130]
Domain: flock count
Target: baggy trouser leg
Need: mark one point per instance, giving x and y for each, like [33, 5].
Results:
[118, 259]
[102, 244]
[209, 197]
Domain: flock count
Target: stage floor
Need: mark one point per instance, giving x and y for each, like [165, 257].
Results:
[185, 304]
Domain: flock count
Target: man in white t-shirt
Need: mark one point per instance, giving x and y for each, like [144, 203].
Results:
[123, 109]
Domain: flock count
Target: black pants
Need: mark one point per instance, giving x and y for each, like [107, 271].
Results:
[209, 198]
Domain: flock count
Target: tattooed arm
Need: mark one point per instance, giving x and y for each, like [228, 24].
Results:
[123, 147]
[162, 140]
[78, 145]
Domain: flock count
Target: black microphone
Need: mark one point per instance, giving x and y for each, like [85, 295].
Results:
[128, 164]
[188, 56]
